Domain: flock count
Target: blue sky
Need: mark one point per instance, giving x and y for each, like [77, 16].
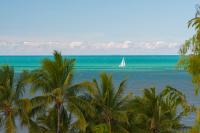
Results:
[106, 25]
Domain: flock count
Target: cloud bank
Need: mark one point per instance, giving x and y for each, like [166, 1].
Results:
[87, 48]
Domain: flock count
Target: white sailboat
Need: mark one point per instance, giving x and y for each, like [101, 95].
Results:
[123, 63]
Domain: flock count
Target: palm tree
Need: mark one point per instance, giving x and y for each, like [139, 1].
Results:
[111, 106]
[12, 104]
[46, 122]
[157, 113]
[54, 80]
[190, 52]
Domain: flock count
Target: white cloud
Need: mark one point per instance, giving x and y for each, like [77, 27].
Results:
[83, 47]
[76, 44]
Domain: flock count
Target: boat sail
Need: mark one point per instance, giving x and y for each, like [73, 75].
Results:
[123, 63]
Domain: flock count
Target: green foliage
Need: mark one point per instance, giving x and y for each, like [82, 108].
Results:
[47, 122]
[111, 106]
[158, 112]
[196, 127]
[54, 80]
[190, 59]
[190, 52]
[101, 128]
[11, 102]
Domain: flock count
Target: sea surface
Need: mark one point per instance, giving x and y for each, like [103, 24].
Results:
[133, 63]
[141, 71]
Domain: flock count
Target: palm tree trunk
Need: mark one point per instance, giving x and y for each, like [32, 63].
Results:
[58, 118]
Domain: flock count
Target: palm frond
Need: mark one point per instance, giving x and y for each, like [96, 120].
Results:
[120, 90]
[10, 124]
[101, 128]
[81, 122]
[24, 79]
[83, 104]
[120, 116]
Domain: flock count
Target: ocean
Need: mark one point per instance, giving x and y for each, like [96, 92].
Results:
[142, 71]
[133, 63]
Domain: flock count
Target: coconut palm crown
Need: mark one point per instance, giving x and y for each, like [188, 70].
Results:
[54, 80]
[111, 105]
[158, 112]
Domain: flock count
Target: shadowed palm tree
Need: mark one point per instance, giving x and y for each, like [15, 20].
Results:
[158, 113]
[54, 81]
[12, 104]
[111, 106]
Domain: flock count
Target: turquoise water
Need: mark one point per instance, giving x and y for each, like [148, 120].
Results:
[141, 72]
[133, 63]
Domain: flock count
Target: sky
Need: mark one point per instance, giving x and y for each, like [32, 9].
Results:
[37, 27]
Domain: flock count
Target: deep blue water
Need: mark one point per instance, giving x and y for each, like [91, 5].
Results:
[141, 72]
